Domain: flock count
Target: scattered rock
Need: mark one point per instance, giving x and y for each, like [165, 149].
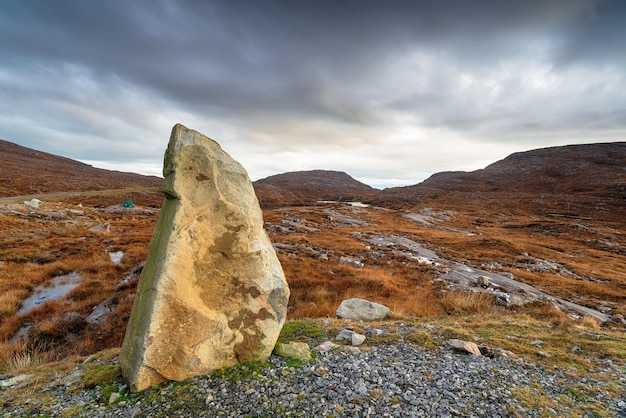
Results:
[101, 228]
[537, 343]
[352, 350]
[33, 204]
[348, 335]
[351, 262]
[482, 281]
[500, 353]
[467, 346]
[372, 332]
[344, 334]
[70, 379]
[212, 292]
[293, 350]
[576, 349]
[326, 347]
[116, 257]
[357, 339]
[362, 310]
[16, 380]
[114, 397]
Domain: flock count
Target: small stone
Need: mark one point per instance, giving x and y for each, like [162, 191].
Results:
[33, 204]
[482, 281]
[352, 350]
[101, 228]
[537, 343]
[114, 397]
[576, 349]
[116, 257]
[501, 352]
[209, 398]
[357, 339]
[344, 334]
[468, 346]
[326, 347]
[293, 350]
[15, 380]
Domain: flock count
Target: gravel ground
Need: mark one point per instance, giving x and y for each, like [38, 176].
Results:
[394, 380]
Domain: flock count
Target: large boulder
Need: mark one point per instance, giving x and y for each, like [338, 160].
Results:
[362, 310]
[212, 292]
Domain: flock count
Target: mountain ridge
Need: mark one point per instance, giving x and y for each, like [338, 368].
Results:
[26, 171]
[564, 178]
[311, 186]
[583, 178]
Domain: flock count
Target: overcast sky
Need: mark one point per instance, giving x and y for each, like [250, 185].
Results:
[388, 91]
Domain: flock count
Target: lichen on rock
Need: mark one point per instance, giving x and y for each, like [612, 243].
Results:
[212, 292]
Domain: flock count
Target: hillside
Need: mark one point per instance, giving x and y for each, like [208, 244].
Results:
[453, 258]
[308, 187]
[25, 171]
[577, 179]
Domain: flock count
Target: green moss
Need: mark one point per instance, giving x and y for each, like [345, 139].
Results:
[421, 338]
[301, 330]
[579, 393]
[241, 371]
[458, 333]
[105, 393]
[100, 375]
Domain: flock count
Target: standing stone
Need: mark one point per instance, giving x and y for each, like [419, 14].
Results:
[212, 292]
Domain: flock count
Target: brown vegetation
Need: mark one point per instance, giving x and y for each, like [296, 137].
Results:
[321, 248]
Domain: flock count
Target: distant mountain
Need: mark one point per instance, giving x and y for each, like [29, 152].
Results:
[585, 180]
[25, 171]
[567, 178]
[308, 187]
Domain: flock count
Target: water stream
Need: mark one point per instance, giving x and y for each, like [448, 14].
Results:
[61, 286]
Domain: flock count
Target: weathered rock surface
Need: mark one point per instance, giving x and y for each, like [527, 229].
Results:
[361, 309]
[212, 292]
[353, 337]
[508, 292]
[467, 346]
[294, 350]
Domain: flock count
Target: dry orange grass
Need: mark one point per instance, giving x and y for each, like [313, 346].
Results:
[465, 303]
[10, 302]
[20, 357]
[35, 250]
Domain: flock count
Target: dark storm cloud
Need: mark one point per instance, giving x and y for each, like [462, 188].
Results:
[310, 75]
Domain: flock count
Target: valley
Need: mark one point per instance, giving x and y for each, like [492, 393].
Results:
[464, 260]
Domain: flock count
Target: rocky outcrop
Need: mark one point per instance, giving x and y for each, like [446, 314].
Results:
[212, 292]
